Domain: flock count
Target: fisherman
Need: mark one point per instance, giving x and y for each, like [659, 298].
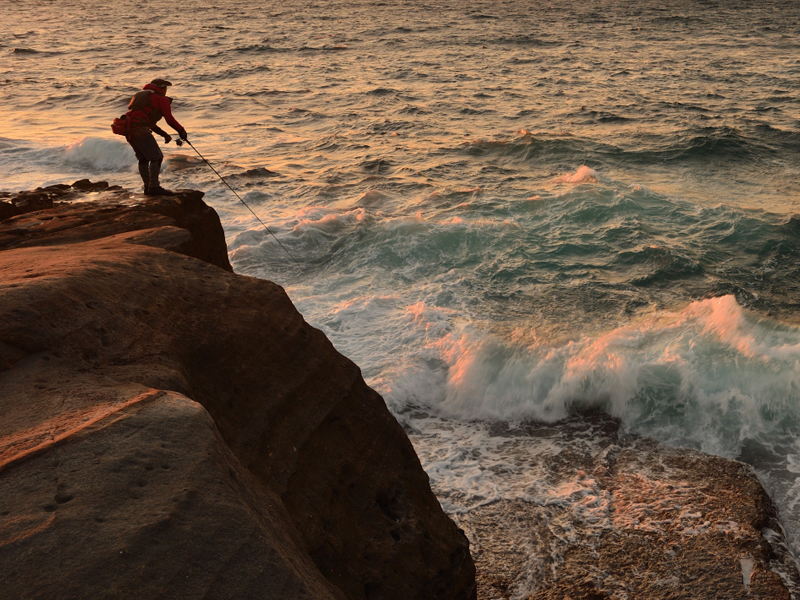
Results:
[144, 111]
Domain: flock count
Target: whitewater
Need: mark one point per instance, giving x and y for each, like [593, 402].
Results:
[501, 211]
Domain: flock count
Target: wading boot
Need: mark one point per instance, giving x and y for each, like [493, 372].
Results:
[144, 172]
[157, 191]
[154, 188]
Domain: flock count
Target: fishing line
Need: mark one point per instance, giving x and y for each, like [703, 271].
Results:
[240, 200]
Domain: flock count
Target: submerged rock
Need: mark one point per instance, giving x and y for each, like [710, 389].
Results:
[171, 429]
[602, 515]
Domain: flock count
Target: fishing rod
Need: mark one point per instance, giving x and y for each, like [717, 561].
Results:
[178, 142]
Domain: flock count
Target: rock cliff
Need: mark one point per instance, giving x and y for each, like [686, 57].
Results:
[172, 429]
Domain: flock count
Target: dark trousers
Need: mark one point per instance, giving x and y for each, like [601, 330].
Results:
[148, 154]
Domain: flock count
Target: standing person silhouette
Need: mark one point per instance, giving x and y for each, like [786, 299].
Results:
[144, 111]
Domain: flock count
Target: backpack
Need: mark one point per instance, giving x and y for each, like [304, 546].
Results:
[141, 113]
[129, 122]
[121, 125]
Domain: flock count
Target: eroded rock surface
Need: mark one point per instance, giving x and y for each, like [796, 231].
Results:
[293, 475]
[141, 498]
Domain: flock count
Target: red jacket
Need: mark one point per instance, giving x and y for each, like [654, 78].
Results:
[153, 106]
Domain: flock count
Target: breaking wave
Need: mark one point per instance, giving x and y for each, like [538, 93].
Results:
[99, 154]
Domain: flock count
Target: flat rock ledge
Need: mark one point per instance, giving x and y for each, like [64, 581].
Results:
[173, 430]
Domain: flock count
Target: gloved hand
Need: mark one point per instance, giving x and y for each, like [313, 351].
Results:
[167, 138]
[184, 136]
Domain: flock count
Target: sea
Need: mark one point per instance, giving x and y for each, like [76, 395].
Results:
[503, 212]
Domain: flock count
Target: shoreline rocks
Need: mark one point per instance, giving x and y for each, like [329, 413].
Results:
[607, 515]
[170, 425]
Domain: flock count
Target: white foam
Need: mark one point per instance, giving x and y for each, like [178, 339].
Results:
[469, 468]
[100, 154]
[793, 463]
[328, 220]
[747, 565]
[583, 175]
[709, 376]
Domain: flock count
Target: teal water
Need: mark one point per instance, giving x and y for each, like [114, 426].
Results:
[500, 211]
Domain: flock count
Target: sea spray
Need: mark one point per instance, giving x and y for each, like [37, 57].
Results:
[709, 376]
[93, 155]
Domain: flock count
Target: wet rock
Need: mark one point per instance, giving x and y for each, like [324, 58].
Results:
[8, 210]
[85, 185]
[44, 198]
[32, 201]
[288, 460]
[616, 516]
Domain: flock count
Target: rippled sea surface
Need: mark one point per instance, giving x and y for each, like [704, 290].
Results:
[499, 210]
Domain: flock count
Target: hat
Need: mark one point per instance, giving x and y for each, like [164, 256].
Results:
[161, 82]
